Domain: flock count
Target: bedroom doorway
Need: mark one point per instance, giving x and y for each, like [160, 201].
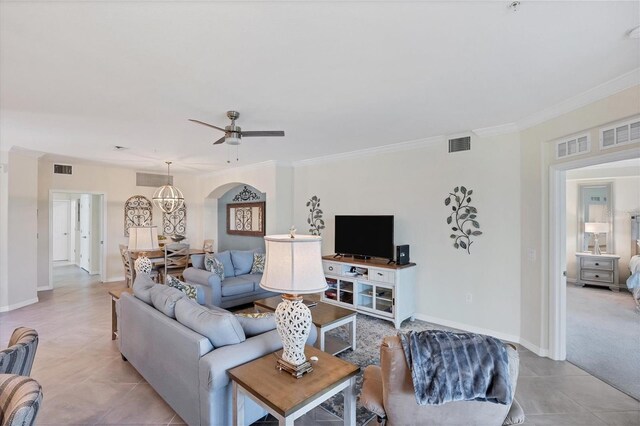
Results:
[603, 323]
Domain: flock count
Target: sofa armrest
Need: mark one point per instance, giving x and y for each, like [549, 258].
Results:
[371, 393]
[214, 365]
[209, 280]
[516, 414]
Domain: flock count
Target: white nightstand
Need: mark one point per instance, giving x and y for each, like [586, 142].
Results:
[598, 269]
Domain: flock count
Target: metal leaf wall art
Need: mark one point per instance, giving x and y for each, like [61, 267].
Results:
[315, 221]
[463, 218]
[138, 211]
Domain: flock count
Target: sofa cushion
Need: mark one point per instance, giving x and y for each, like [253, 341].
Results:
[258, 263]
[257, 323]
[221, 328]
[237, 285]
[212, 264]
[164, 299]
[254, 278]
[242, 261]
[197, 261]
[190, 290]
[225, 258]
[141, 287]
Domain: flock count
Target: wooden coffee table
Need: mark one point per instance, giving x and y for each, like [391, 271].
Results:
[325, 317]
[288, 398]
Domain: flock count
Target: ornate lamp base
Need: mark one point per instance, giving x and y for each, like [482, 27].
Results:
[143, 264]
[596, 245]
[293, 322]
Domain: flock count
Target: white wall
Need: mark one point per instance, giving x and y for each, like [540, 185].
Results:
[118, 184]
[536, 159]
[412, 186]
[626, 199]
[22, 194]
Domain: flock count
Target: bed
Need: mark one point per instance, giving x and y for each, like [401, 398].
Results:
[633, 282]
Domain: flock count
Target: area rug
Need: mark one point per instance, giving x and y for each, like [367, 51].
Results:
[603, 336]
[369, 334]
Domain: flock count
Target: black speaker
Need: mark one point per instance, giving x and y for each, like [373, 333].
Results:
[402, 254]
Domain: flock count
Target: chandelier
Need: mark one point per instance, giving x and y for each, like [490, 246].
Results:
[168, 198]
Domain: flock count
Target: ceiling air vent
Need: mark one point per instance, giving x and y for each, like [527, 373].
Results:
[622, 133]
[460, 144]
[153, 180]
[62, 169]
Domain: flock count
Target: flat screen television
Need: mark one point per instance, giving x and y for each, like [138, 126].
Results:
[367, 236]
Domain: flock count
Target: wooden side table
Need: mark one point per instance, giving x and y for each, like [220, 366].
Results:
[598, 269]
[115, 296]
[288, 398]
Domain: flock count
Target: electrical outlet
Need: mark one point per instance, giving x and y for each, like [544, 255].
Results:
[531, 254]
[468, 298]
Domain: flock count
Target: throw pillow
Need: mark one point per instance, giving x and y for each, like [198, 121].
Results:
[212, 264]
[190, 290]
[164, 299]
[256, 323]
[258, 263]
[225, 258]
[221, 328]
[242, 261]
[141, 287]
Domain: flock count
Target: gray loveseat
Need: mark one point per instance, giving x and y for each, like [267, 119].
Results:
[184, 366]
[239, 285]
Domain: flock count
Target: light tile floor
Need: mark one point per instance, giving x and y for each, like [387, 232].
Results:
[85, 381]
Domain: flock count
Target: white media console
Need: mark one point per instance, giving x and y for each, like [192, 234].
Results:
[371, 287]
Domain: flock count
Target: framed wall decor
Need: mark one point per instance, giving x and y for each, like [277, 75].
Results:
[246, 219]
[138, 211]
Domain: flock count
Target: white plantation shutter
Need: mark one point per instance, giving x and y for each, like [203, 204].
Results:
[620, 134]
[575, 145]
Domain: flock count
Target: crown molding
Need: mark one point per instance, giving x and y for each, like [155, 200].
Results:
[611, 87]
[366, 152]
[500, 129]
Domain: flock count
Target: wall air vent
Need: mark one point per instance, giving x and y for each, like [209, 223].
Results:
[62, 169]
[460, 144]
[575, 145]
[151, 179]
[622, 133]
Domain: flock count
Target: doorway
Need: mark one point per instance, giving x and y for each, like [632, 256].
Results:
[76, 234]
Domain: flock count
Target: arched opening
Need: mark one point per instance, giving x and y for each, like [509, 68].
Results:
[216, 216]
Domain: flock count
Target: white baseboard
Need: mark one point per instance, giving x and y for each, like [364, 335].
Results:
[469, 328]
[533, 348]
[45, 288]
[114, 279]
[18, 305]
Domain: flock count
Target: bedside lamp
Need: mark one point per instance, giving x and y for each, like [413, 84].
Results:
[596, 228]
[293, 266]
[143, 239]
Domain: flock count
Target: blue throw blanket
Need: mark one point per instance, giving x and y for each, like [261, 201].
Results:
[448, 367]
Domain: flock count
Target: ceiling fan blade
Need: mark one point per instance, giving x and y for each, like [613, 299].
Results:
[219, 141]
[263, 133]
[207, 124]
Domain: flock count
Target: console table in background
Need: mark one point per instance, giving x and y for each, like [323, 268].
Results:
[115, 296]
[374, 288]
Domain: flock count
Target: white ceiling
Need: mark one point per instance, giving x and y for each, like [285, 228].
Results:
[77, 78]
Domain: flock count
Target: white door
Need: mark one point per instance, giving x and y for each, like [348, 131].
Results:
[61, 220]
[85, 232]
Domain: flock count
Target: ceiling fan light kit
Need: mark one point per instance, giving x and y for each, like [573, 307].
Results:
[168, 198]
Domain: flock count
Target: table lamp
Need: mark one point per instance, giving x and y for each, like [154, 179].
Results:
[293, 266]
[143, 239]
[596, 228]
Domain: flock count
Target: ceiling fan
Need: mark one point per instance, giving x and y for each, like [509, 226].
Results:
[233, 134]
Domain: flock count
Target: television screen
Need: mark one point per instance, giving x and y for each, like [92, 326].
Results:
[370, 236]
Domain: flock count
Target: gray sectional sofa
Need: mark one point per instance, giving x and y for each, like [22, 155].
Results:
[238, 287]
[189, 368]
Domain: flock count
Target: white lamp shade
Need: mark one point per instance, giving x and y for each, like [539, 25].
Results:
[143, 238]
[293, 265]
[596, 227]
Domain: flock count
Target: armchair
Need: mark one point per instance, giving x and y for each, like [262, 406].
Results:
[18, 357]
[388, 392]
[20, 399]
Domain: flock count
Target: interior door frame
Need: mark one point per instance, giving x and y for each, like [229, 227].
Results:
[558, 244]
[103, 230]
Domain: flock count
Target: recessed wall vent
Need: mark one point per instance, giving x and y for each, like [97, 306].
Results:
[152, 179]
[460, 144]
[62, 169]
[622, 133]
[576, 145]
